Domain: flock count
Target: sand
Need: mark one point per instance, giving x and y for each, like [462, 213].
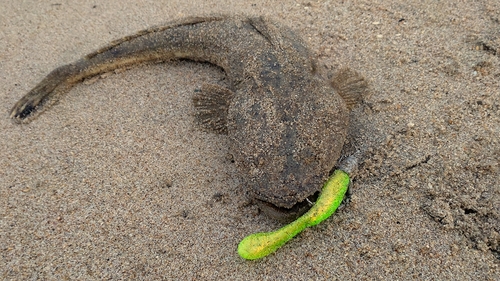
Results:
[116, 182]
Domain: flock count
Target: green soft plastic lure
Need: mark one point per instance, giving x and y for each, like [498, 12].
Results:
[259, 245]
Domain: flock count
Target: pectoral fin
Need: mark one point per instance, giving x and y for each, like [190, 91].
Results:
[350, 85]
[212, 104]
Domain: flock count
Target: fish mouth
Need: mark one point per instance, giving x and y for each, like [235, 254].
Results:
[287, 215]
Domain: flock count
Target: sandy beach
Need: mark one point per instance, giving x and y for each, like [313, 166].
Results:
[117, 182]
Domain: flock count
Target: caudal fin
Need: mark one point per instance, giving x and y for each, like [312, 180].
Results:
[43, 94]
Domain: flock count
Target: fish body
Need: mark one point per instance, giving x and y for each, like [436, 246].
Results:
[287, 126]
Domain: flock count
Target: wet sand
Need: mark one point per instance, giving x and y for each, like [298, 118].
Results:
[115, 181]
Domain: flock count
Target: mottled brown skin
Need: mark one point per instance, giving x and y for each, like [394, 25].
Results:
[286, 125]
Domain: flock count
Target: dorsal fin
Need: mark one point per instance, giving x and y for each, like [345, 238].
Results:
[186, 21]
[350, 85]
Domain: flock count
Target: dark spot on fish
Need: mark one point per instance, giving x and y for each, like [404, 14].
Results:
[26, 111]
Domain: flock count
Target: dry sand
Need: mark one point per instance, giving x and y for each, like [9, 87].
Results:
[115, 181]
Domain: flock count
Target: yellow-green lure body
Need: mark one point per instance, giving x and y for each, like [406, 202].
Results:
[259, 245]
